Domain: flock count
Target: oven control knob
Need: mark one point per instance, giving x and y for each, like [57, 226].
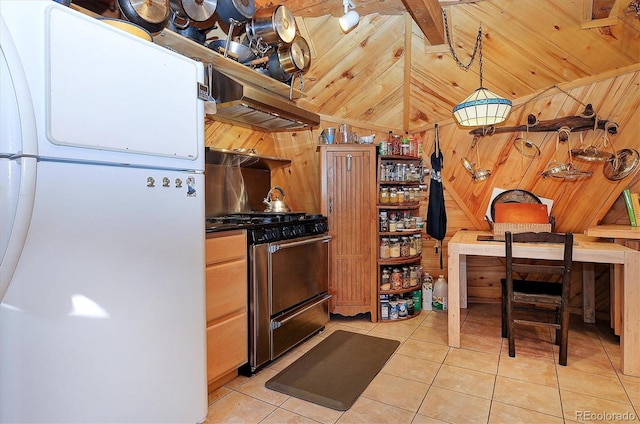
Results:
[298, 230]
[273, 234]
[286, 231]
[320, 227]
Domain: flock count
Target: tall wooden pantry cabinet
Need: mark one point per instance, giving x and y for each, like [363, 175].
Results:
[348, 175]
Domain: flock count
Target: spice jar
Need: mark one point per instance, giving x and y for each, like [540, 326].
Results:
[396, 279]
[393, 225]
[417, 242]
[384, 195]
[395, 144]
[400, 225]
[406, 277]
[412, 247]
[385, 251]
[401, 196]
[394, 247]
[385, 279]
[393, 195]
[413, 275]
[384, 222]
[405, 246]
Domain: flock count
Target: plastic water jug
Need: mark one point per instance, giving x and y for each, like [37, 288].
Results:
[427, 292]
[440, 291]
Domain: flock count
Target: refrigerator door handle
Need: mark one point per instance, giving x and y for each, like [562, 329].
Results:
[22, 193]
[21, 222]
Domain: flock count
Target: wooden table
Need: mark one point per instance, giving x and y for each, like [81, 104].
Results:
[625, 235]
[586, 249]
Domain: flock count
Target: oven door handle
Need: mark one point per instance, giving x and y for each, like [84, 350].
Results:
[273, 248]
[275, 324]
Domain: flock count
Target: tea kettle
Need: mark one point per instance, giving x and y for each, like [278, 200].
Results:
[277, 205]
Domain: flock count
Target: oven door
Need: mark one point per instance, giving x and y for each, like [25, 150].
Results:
[299, 271]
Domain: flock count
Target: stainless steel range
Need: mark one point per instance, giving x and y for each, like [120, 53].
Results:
[288, 279]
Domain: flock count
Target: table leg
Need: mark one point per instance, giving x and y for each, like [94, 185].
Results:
[588, 292]
[457, 279]
[630, 338]
[616, 294]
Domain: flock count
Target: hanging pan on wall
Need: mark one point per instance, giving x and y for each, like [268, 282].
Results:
[622, 165]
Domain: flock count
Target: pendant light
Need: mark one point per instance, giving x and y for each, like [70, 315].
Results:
[483, 107]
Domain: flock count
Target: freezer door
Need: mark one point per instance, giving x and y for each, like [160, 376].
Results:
[104, 95]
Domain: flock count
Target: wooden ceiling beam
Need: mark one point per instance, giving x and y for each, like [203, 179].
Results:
[427, 14]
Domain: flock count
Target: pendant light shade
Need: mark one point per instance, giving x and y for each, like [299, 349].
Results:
[482, 107]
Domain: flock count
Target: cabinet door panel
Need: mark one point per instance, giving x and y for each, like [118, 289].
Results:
[349, 188]
[226, 288]
[225, 246]
[227, 346]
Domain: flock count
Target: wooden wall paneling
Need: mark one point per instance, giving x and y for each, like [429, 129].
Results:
[351, 67]
[511, 46]
[301, 180]
[565, 34]
[406, 78]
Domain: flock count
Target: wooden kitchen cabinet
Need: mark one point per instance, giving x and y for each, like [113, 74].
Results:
[348, 175]
[226, 300]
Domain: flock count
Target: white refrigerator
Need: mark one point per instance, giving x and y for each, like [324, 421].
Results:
[102, 313]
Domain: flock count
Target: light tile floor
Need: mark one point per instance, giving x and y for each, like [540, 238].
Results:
[425, 381]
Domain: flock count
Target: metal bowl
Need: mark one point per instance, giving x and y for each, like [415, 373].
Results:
[234, 50]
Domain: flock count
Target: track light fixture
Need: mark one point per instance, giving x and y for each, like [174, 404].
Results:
[350, 18]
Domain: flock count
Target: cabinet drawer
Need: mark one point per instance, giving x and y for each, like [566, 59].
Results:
[227, 346]
[226, 246]
[226, 288]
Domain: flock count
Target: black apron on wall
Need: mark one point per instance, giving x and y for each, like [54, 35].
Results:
[436, 212]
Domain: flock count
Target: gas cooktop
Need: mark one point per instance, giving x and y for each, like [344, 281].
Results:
[265, 227]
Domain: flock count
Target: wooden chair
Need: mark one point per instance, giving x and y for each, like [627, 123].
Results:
[538, 285]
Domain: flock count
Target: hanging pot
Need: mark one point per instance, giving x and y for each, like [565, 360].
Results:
[237, 10]
[190, 32]
[152, 15]
[194, 10]
[276, 68]
[305, 53]
[272, 26]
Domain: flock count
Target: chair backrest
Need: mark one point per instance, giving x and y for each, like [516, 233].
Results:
[561, 267]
